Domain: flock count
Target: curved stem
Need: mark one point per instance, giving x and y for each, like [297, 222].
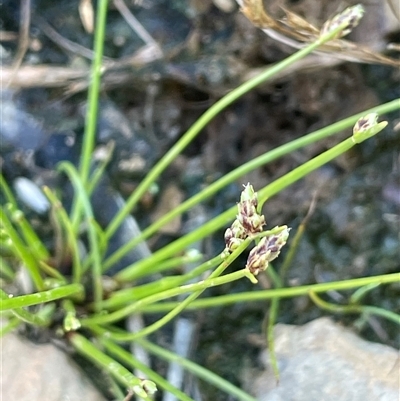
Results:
[88, 350]
[254, 296]
[243, 170]
[214, 110]
[41, 297]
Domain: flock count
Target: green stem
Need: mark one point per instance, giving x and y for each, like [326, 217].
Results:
[361, 292]
[197, 127]
[41, 297]
[294, 246]
[213, 280]
[22, 251]
[243, 170]
[10, 325]
[373, 310]
[94, 89]
[299, 172]
[35, 245]
[132, 362]
[273, 315]
[127, 310]
[83, 199]
[227, 216]
[89, 351]
[7, 191]
[128, 295]
[62, 216]
[41, 318]
[197, 370]
[254, 296]
[6, 270]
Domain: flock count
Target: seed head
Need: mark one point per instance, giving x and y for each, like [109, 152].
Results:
[267, 250]
[248, 216]
[367, 126]
[351, 16]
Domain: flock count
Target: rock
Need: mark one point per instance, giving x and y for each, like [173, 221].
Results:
[324, 361]
[33, 372]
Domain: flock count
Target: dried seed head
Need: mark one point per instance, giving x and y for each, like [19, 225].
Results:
[248, 216]
[236, 230]
[351, 16]
[253, 224]
[234, 236]
[266, 251]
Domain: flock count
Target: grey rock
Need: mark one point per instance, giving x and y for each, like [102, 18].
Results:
[324, 361]
[31, 195]
[41, 372]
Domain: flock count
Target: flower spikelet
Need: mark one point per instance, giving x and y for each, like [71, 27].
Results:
[266, 251]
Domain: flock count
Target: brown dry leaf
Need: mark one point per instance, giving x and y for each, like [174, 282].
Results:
[301, 25]
[297, 28]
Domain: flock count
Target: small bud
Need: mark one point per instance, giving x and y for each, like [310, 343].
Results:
[71, 323]
[234, 236]
[266, 251]
[351, 16]
[248, 216]
[366, 127]
[248, 194]
[364, 123]
[236, 230]
[252, 223]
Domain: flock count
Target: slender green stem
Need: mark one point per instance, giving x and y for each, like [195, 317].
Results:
[197, 127]
[89, 351]
[243, 170]
[179, 308]
[278, 281]
[132, 362]
[128, 295]
[127, 310]
[301, 171]
[294, 246]
[94, 89]
[10, 325]
[197, 370]
[361, 292]
[274, 276]
[41, 297]
[6, 270]
[373, 310]
[52, 272]
[254, 296]
[94, 253]
[41, 318]
[22, 251]
[7, 191]
[200, 286]
[227, 216]
[35, 245]
[71, 322]
[98, 172]
[273, 315]
[62, 216]
[189, 257]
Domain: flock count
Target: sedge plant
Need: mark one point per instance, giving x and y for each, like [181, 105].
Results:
[91, 321]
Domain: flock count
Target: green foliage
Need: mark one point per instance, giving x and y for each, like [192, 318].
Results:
[20, 243]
